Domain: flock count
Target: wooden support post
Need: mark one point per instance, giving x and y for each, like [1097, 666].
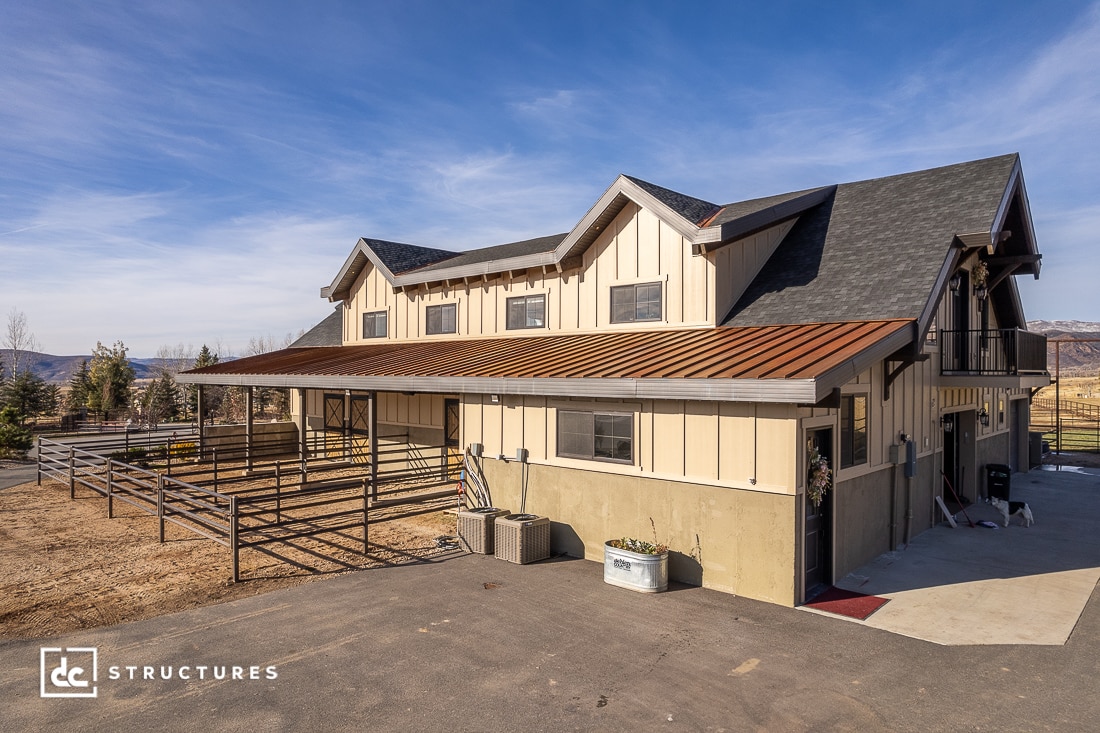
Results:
[199, 397]
[302, 432]
[347, 425]
[248, 436]
[372, 426]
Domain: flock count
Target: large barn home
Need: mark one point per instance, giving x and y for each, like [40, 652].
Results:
[671, 366]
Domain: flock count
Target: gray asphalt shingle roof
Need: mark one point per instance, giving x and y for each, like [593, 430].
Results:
[694, 210]
[497, 252]
[875, 248]
[329, 332]
[404, 257]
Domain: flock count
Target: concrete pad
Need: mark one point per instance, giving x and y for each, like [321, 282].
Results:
[1014, 585]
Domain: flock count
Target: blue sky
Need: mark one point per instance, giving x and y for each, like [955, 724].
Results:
[194, 172]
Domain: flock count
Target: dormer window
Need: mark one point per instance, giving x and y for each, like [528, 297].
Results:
[527, 311]
[634, 303]
[374, 325]
[441, 319]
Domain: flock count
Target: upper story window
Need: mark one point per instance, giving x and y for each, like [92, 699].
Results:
[528, 311]
[441, 319]
[596, 436]
[375, 325]
[633, 303]
[853, 430]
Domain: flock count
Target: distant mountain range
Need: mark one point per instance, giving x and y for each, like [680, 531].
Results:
[58, 369]
[1075, 358]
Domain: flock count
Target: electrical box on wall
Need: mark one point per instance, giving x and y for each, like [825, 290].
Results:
[475, 450]
[910, 459]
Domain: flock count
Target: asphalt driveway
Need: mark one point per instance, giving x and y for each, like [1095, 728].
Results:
[471, 643]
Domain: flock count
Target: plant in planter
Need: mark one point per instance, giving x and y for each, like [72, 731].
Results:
[639, 546]
[979, 276]
[636, 564]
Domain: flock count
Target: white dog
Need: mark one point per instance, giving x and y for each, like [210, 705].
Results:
[1012, 508]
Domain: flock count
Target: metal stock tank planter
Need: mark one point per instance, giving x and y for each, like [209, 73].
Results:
[635, 564]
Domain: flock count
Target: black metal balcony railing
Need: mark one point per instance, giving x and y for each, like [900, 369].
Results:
[1006, 351]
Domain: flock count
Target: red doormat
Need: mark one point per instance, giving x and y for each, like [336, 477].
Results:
[847, 603]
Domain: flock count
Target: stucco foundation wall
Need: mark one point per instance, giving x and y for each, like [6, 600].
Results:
[861, 520]
[732, 540]
[924, 490]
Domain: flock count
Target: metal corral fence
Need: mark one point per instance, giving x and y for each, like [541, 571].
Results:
[273, 501]
[1075, 427]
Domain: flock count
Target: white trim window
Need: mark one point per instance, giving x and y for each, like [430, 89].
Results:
[853, 430]
[634, 303]
[441, 319]
[375, 325]
[596, 436]
[526, 311]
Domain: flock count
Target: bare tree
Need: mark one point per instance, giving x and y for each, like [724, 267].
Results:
[20, 343]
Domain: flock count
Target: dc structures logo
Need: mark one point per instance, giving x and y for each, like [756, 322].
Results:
[68, 672]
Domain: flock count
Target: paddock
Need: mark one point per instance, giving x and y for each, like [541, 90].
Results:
[264, 495]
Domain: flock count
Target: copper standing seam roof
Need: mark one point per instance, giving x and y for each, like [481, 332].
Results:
[791, 363]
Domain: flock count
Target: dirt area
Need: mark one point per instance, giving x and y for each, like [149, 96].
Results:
[64, 566]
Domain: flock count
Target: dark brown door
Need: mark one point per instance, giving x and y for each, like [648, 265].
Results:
[819, 545]
[452, 431]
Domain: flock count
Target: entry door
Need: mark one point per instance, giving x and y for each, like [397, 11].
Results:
[950, 456]
[819, 544]
[452, 431]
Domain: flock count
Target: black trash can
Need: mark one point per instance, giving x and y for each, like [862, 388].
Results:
[998, 481]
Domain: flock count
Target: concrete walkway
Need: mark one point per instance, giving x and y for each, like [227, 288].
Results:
[1011, 585]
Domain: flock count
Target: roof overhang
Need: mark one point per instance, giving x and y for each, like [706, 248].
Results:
[800, 364]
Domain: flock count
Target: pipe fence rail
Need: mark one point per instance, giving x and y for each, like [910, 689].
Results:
[214, 492]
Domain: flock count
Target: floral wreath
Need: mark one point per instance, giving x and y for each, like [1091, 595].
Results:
[821, 478]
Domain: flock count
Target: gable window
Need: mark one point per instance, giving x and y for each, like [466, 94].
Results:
[633, 303]
[596, 436]
[528, 311]
[374, 325]
[853, 430]
[441, 319]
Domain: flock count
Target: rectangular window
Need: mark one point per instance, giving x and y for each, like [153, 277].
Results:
[374, 325]
[528, 311]
[441, 319]
[853, 430]
[596, 436]
[633, 303]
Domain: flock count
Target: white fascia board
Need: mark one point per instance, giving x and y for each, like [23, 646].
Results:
[796, 391]
[351, 268]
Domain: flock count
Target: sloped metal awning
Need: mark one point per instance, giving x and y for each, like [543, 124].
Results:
[800, 363]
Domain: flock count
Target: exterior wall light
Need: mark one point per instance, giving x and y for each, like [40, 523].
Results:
[983, 417]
